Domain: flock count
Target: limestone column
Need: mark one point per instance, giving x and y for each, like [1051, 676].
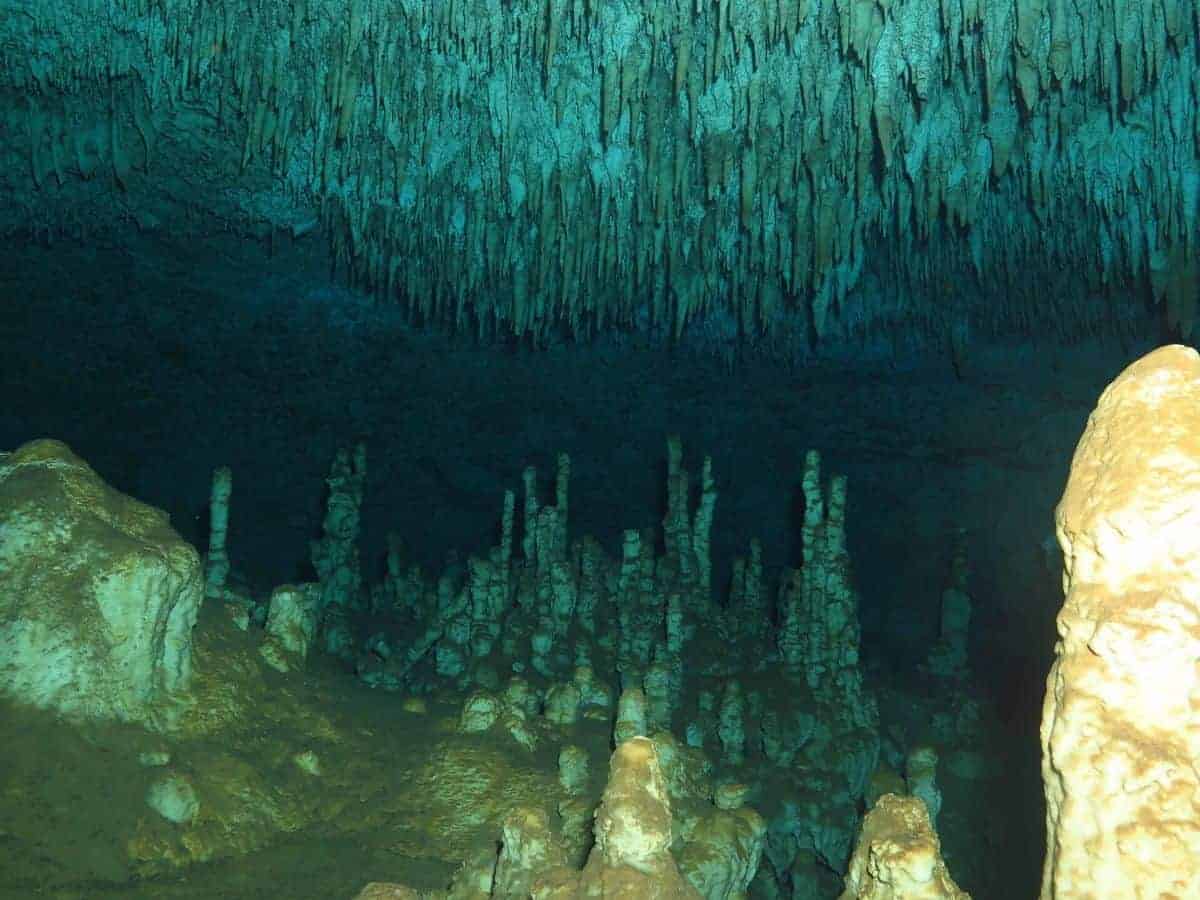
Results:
[1121, 721]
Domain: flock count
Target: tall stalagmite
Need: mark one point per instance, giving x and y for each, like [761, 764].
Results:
[1121, 723]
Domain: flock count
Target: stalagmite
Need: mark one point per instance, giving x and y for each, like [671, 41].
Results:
[216, 563]
[291, 625]
[633, 831]
[631, 716]
[335, 554]
[1120, 724]
[898, 856]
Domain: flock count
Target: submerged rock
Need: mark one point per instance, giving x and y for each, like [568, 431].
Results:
[98, 593]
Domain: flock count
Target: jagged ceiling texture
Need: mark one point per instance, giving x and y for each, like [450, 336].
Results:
[788, 167]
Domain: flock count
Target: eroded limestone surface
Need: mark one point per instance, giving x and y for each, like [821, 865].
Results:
[98, 594]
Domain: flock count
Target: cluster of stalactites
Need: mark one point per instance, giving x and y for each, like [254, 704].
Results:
[524, 169]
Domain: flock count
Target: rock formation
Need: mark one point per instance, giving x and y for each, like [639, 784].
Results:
[98, 594]
[898, 856]
[1121, 726]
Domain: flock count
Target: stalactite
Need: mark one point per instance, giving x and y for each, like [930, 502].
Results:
[766, 136]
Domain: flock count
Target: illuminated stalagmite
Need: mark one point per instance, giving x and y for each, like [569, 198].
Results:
[1121, 724]
[898, 856]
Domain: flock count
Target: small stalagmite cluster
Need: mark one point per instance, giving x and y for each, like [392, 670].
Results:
[544, 633]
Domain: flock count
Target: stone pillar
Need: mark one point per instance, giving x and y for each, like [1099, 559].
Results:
[1121, 721]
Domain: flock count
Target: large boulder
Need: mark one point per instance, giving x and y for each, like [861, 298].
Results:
[98, 594]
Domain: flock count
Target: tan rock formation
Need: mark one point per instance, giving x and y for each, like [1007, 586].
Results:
[1121, 722]
[632, 856]
[378, 890]
[898, 856]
